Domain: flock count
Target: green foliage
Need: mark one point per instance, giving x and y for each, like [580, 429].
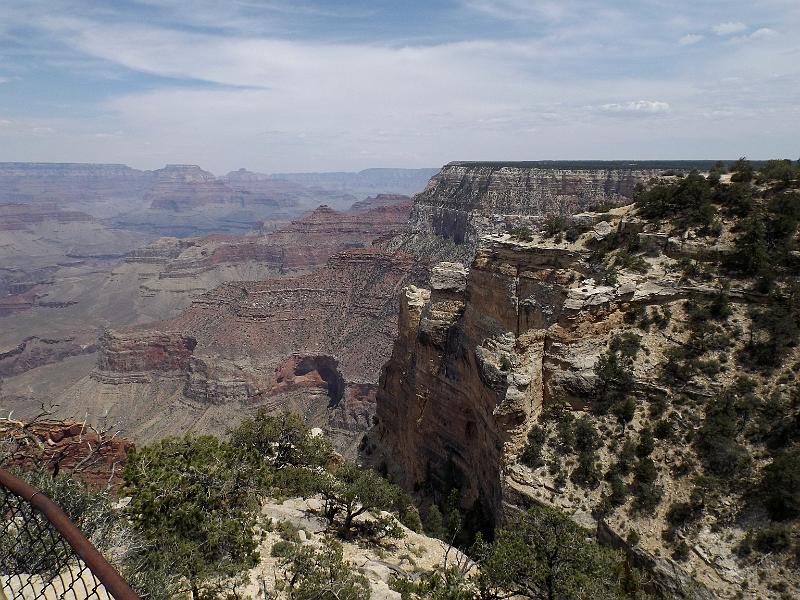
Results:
[681, 513]
[407, 513]
[192, 499]
[720, 451]
[781, 485]
[282, 440]
[780, 171]
[532, 453]
[737, 198]
[624, 411]
[775, 539]
[645, 489]
[647, 443]
[351, 491]
[434, 523]
[775, 328]
[523, 234]
[440, 584]
[742, 171]
[614, 372]
[750, 254]
[543, 554]
[687, 201]
[554, 225]
[681, 552]
[321, 573]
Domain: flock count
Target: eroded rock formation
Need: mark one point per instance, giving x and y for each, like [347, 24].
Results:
[467, 200]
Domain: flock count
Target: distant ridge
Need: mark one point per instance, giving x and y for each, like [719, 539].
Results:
[595, 164]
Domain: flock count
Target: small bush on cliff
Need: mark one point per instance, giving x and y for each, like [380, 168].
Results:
[282, 440]
[614, 372]
[742, 171]
[781, 485]
[532, 453]
[351, 491]
[687, 201]
[717, 443]
[523, 234]
[543, 554]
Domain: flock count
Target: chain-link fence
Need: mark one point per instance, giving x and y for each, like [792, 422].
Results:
[44, 556]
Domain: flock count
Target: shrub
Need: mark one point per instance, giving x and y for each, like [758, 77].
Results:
[521, 233]
[351, 491]
[282, 440]
[543, 554]
[721, 453]
[681, 551]
[311, 573]
[192, 498]
[781, 485]
[663, 429]
[532, 453]
[434, 523]
[646, 443]
[775, 539]
[647, 492]
[742, 171]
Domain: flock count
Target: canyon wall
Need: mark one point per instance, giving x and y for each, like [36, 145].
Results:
[467, 200]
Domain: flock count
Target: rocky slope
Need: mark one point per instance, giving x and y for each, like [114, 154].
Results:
[497, 365]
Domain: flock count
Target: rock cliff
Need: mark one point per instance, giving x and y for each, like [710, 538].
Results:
[467, 200]
[489, 357]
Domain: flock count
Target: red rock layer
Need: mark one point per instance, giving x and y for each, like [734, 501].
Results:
[97, 459]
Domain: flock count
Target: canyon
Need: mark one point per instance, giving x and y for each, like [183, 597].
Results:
[429, 337]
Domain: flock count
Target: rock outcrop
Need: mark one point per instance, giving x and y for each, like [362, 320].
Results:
[94, 457]
[467, 200]
[481, 353]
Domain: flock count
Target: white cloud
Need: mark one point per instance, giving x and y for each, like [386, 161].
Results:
[636, 107]
[764, 33]
[689, 39]
[729, 28]
[5, 123]
[517, 9]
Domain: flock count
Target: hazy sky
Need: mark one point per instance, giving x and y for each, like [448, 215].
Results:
[277, 85]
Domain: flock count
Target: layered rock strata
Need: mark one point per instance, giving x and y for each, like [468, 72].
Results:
[467, 200]
[312, 343]
[482, 352]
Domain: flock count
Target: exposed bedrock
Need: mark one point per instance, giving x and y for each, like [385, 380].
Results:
[319, 371]
[467, 200]
[313, 344]
[94, 457]
[480, 353]
[138, 351]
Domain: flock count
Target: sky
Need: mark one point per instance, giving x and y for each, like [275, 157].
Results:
[310, 85]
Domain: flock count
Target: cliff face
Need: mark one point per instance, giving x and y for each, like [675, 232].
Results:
[467, 200]
[469, 368]
[514, 344]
